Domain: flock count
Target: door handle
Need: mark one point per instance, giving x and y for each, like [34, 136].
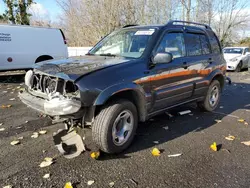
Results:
[210, 60]
[185, 65]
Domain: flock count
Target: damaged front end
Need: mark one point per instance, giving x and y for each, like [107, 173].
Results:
[59, 99]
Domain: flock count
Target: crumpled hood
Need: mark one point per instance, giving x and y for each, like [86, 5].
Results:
[75, 67]
[228, 56]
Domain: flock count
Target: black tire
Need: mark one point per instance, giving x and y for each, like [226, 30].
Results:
[104, 122]
[206, 104]
[239, 67]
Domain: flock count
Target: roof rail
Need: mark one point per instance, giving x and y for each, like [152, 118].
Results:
[172, 22]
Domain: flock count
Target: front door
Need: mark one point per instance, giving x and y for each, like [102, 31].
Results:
[170, 81]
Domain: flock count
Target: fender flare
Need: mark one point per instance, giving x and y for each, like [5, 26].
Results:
[217, 73]
[122, 87]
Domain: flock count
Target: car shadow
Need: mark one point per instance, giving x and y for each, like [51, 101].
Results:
[163, 128]
[9, 79]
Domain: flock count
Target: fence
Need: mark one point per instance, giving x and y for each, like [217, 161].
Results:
[78, 51]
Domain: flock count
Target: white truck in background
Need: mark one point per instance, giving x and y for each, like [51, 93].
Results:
[23, 46]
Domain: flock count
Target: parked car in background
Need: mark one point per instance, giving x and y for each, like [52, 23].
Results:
[237, 58]
[130, 76]
[23, 46]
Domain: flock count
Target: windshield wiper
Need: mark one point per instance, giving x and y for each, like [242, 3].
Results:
[109, 55]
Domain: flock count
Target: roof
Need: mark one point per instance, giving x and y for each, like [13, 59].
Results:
[26, 26]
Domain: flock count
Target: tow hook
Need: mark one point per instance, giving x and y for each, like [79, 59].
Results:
[69, 142]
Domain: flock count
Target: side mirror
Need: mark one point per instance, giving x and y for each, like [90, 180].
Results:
[162, 58]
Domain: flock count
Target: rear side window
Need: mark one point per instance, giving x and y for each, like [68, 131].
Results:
[172, 43]
[246, 50]
[205, 44]
[214, 43]
[193, 44]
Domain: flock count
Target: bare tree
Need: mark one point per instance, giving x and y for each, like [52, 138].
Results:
[187, 7]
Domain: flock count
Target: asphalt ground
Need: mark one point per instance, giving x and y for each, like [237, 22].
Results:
[190, 135]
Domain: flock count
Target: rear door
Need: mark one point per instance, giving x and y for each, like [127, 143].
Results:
[170, 81]
[199, 60]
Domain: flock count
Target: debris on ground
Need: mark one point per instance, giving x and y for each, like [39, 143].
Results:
[90, 182]
[26, 121]
[1, 124]
[245, 123]
[46, 162]
[95, 155]
[20, 138]
[230, 137]
[226, 150]
[169, 115]
[214, 146]
[184, 112]
[111, 184]
[218, 121]
[35, 135]
[12, 99]
[68, 185]
[247, 143]
[2, 129]
[8, 186]
[6, 106]
[133, 181]
[156, 152]
[15, 142]
[241, 120]
[46, 176]
[42, 132]
[175, 155]
[166, 128]
[156, 142]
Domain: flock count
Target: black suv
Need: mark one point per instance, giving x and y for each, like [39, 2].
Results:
[129, 76]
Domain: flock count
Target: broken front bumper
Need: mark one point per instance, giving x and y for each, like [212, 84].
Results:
[54, 107]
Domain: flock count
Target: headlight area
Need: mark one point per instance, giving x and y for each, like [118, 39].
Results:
[234, 60]
[60, 105]
[51, 95]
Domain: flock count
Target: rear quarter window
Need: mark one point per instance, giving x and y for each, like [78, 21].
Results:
[214, 43]
[205, 45]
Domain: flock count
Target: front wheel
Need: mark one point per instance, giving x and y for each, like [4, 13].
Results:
[212, 98]
[115, 126]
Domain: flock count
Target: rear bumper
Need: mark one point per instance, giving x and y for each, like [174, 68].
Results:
[53, 107]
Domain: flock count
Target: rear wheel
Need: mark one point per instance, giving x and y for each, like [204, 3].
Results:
[212, 98]
[239, 67]
[115, 126]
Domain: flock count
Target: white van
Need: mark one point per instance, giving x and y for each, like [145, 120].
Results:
[23, 46]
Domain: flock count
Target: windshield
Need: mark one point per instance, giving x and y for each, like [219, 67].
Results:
[233, 51]
[126, 43]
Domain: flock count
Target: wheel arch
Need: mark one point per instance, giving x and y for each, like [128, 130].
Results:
[218, 76]
[131, 92]
[43, 58]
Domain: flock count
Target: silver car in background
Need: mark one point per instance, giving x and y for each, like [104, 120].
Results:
[237, 58]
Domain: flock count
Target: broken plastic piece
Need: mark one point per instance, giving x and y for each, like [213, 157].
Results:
[185, 112]
[70, 144]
